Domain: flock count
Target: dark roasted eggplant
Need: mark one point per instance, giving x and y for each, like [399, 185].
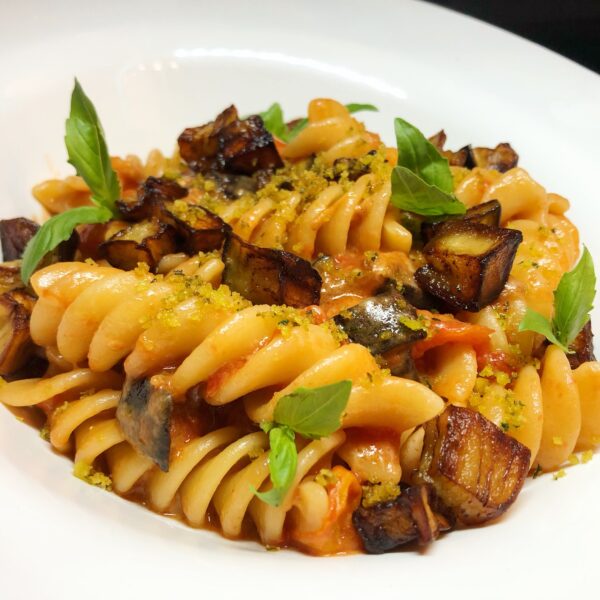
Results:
[267, 276]
[10, 276]
[152, 194]
[582, 347]
[14, 236]
[230, 145]
[200, 230]
[460, 158]
[144, 242]
[144, 413]
[468, 263]
[381, 323]
[501, 158]
[488, 213]
[414, 516]
[16, 347]
[476, 469]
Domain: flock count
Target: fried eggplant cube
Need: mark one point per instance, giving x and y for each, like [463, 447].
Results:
[199, 146]
[152, 194]
[144, 413]
[267, 276]
[145, 242]
[381, 323]
[10, 276]
[15, 235]
[501, 158]
[246, 147]
[16, 346]
[488, 213]
[413, 516]
[582, 347]
[468, 263]
[476, 469]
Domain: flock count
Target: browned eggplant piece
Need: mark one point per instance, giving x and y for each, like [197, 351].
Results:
[15, 235]
[235, 186]
[501, 158]
[16, 347]
[267, 276]
[476, 469]
[582, 347]
[381, 323]
[10, 276]
[144, 413]
[460, 158]
[199, 146]
[488, 213]
[438, 140]
[145, 242]
[151, 196]
[468, 263]
[415, 515]
[200, 229]
[246, 146]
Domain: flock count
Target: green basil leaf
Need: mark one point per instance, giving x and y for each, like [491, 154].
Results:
[87, 150]
[56, 230]
[419, 155]
[354, 108]
[283, 461]
[314, 412]
[573, 299]
[411, 193]
[273, 120]
[534, 321]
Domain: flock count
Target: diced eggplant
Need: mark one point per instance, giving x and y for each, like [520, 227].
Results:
[488, 213]
[16, 347]
[460, 158]
[476, 469]
[234, 186]
[468, 263]
[10, 276]
[200, 229]
[144, 413]
[198, 146]
[381, 323]
[145, 242]
[415, 515]
[14, 236]
[501, 158]
[267, 276]
[151, 196]
[230, 145]
[438, 140]
[582, 347]
[246, 146]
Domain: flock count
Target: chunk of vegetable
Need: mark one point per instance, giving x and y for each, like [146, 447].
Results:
[16, 347]
[582, 347]
[144, 413]
[468, 263]
[151, 196]
[501, 158]
[15, 235]
[267, 276]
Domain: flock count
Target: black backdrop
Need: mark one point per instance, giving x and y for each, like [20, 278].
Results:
[569, 27]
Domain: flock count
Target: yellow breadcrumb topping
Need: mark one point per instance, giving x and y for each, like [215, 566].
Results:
[325, 477]
[379, 492]
[87, 473]
[559, 475]
[497, 403]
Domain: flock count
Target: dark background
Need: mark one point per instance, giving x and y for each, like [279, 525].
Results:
[569, 27]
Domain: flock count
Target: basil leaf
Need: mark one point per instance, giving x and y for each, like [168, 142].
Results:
[314, 412]
[574, 298]
[534, 321]
[411, 193]
[273, 120]
[56, 230]
[283, 461]
[419, 155]
[354, 108]
[87, 150]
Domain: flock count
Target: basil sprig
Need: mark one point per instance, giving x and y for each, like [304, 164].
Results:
[312, 413]
[87, 151]
[276, 125]
[422, 181]
[573, 302]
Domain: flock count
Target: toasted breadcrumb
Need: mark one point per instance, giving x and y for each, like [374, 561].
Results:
[87, 473]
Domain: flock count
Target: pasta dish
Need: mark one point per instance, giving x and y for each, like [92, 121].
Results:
[288, 331]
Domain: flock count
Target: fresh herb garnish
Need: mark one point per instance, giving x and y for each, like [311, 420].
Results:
[312, 413]
[276, 125]
[573, 301]
[88, 153]
[422, 181]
